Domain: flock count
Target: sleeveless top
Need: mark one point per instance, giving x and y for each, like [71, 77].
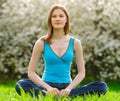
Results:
[57, 69]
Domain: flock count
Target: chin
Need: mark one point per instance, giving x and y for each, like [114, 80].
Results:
[58, 27]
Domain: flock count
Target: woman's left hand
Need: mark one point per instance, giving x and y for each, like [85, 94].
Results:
[64, 92]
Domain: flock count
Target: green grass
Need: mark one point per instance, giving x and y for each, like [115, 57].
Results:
[8, 93]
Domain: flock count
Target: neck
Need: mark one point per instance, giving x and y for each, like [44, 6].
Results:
[58, 33]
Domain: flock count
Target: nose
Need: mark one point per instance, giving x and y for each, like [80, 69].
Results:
[57, 18]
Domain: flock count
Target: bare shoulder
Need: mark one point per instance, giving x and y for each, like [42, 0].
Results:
[77, 45]
[77, 42]
[39, 41]
[39, 44]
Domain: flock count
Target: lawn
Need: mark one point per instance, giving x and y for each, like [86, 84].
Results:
[7, 93]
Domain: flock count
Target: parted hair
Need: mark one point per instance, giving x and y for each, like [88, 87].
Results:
[50, 27]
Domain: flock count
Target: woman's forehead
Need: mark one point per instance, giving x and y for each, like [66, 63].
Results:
[58, 11]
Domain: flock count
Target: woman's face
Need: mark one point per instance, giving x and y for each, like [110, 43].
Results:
[58, 19]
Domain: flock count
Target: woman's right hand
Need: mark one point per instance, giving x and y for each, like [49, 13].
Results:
[53, 91]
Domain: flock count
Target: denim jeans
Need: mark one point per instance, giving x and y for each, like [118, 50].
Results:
[28, 86]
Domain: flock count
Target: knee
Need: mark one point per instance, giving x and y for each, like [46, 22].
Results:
[19, 85]
[103, 87]
[17, 88]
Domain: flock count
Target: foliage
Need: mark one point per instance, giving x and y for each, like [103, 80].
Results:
[96, 23]
[100, 36]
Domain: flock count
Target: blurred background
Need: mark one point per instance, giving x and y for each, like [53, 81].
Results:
[95, 22]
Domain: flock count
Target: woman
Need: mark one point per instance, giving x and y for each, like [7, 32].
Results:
[58, 49]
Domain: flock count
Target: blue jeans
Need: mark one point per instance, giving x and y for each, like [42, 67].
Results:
[34, 90]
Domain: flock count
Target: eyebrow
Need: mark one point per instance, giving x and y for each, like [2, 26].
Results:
[59, 14]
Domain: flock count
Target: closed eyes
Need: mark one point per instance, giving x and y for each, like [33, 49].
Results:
[54, 16]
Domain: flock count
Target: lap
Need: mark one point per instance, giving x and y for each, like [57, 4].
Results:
[92, 87]
[28, 84]
[98, 86]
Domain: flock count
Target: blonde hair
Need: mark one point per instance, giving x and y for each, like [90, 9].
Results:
[50, 28]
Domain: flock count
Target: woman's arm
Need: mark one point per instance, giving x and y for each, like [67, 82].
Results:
[37, 52]
[80, 66]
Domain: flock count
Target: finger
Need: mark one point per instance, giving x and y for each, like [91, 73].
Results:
[62, 93]
[57, 92]
[54, 91]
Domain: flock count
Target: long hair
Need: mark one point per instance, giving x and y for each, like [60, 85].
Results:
[50, 27]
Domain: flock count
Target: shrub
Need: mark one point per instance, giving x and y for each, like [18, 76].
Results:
[95, 23]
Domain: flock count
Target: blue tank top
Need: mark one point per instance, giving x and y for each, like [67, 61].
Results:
[57, 69]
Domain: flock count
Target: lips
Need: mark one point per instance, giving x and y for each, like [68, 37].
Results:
[57, 23]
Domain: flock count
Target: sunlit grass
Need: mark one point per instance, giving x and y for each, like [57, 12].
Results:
[8, 93]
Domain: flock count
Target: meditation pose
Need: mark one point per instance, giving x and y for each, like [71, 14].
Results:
[58, 50]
